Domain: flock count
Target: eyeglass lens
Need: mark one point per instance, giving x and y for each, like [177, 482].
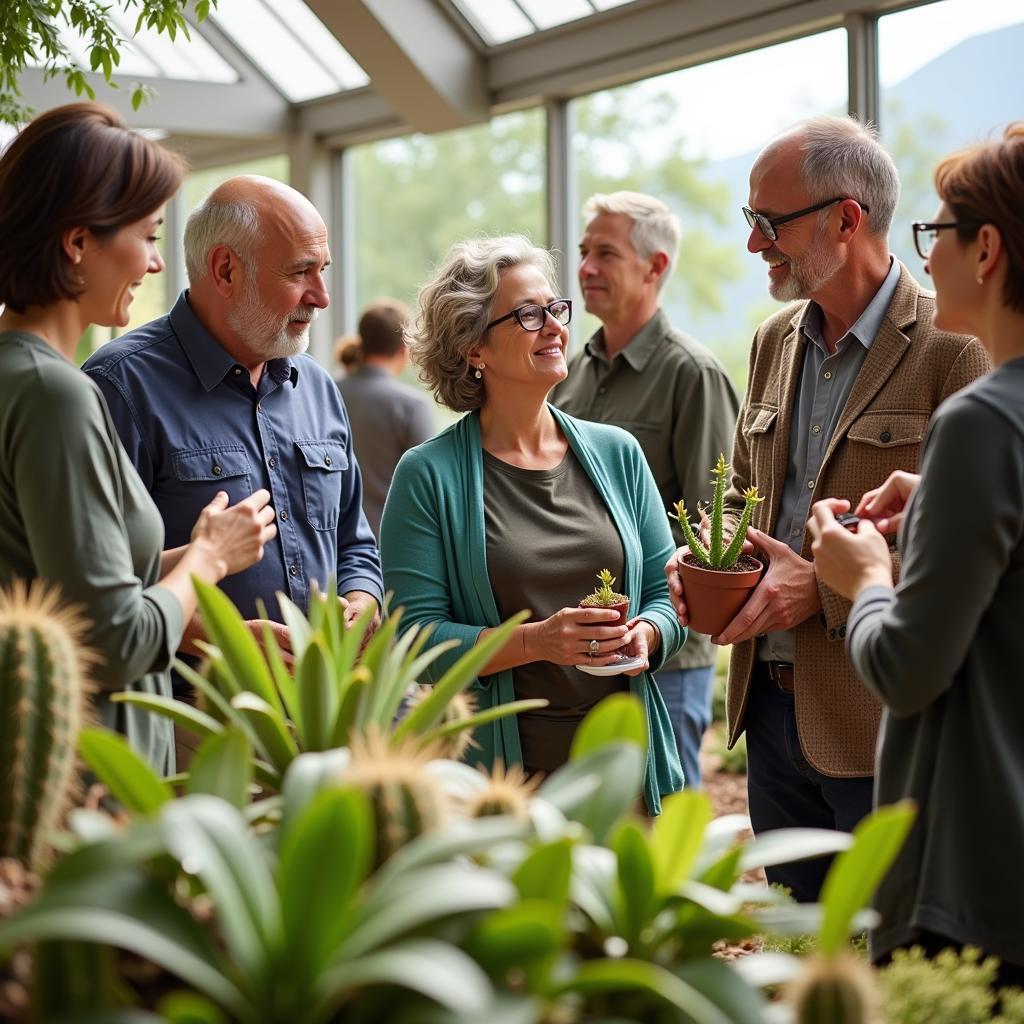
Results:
[761, 222]
[532, 317]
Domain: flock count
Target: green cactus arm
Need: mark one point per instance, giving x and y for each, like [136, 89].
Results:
[732, 553]
[692, 541]
[720, 472]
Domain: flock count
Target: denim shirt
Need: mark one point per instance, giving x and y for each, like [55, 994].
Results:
[193, 424]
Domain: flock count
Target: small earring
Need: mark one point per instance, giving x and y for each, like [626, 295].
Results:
[981, 280]
[479, 373]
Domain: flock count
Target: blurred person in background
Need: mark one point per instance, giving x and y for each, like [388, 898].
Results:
[387, 416]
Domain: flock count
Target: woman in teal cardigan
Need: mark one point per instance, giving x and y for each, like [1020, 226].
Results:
[517, 505]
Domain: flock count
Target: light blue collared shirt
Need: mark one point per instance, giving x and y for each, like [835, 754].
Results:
[825, 384]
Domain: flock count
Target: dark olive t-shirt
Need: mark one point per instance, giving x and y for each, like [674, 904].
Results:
[548, 534]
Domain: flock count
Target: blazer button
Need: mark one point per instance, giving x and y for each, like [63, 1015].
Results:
[842, 631]
[832, 634]
[885, 437]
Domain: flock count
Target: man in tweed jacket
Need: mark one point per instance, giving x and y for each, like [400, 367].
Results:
[841, 387]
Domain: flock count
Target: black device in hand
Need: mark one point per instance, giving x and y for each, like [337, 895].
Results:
[849, 520]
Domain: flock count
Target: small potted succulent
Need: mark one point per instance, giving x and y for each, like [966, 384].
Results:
[717, 578]
[606, 597]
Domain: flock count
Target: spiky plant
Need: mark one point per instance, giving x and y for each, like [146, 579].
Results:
[716, 555]
[508, 791]
[835, 990]
[451, 738]
[44, 693]
[406, 800]
[604, 596]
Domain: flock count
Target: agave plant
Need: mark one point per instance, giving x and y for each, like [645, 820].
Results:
[339, 687]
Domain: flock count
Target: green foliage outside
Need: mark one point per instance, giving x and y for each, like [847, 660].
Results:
[30, 33]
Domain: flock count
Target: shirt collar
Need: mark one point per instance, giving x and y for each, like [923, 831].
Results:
[644, 344]
[868, 324]
[211, 362]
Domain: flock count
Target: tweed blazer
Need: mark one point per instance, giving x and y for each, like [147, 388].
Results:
[910, 368]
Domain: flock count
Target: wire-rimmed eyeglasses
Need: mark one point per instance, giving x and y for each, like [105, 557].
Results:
[531, 317]
[767, 225]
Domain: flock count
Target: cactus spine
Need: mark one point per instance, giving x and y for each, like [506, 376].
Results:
[407, 801]
[712, 556]
[43, 705]
[507, 792]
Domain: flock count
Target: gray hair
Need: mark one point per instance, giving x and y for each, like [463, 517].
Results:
[454, 308]
[655, 227]
[234, 223]
[843, 157]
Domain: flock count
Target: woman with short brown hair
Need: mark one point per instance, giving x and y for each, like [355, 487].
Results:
[81, 198]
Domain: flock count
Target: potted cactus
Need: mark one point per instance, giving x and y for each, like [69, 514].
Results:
[605, 597]
[717, 578]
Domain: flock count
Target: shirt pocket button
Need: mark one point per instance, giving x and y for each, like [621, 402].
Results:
[217, 471]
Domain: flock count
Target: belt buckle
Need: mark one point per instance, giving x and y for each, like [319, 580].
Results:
[775, 670]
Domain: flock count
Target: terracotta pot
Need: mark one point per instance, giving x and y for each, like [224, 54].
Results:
[622, 608]
[714, 597]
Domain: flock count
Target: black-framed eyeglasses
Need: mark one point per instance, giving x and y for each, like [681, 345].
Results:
[926, 234]
[767, 225]
[531, 317]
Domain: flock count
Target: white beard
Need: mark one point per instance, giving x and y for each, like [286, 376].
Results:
[809, 273]
[265, 333]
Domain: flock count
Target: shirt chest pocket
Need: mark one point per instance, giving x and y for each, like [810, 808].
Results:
[204, 471]
[322, 464]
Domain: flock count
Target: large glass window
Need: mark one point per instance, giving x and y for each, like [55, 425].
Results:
[690, 138]
[417, 195]
[951, 75]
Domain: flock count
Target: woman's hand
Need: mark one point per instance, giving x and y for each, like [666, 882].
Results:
[234, 537]
[884, 505]
[845, 561]
[642, 640]
[564, 638]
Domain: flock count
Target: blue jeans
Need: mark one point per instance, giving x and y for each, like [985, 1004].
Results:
[687, 694]
[784, 791]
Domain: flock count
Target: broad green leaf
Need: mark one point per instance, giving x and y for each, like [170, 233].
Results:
[190, 1008]
[299, 633]
[428, 712]
[677, 837]
[307, 776]
[597, 977]
[716, 980]
[125, 773]
[283, 679]
[210, 839]
[517, 936]
[617, 719]
[620, 769]
[789, 844]
[215, 699]
[326, 854]
[759, 970]
[545, 873]
[123, 908]
[318, 697]
[855, 874]
[223, 767]
[356, 693]
[435, 969]
[635, 890]
[185, 715]
[725, 871]
[270, 728]
[227, 629]
[593, 885]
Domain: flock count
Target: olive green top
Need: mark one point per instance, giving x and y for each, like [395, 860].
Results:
[74, 512]
[548, 534]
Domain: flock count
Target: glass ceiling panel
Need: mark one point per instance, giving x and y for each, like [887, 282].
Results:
[498, 21]
[291, 46]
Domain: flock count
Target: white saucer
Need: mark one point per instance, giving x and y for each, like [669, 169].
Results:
[614, 669]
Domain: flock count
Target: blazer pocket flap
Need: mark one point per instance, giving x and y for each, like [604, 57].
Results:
[329, 456]
[217, 463]
[887, 430]
[760, 419]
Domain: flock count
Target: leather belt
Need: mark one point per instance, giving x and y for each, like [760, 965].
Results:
[780, 673]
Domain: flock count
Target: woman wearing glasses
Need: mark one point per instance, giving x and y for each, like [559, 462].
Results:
[518, 506]
[944, 649]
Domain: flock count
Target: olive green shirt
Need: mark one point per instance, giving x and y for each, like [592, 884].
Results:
[674, 396]
[548, 534]
[74, 512]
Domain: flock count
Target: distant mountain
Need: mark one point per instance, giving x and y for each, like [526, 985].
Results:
[974, 89]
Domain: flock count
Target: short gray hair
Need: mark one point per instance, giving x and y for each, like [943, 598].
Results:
[655, 227]
[843, 157]
[454, 308]
[234, 223]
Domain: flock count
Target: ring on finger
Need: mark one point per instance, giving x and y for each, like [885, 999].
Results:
[594, 647]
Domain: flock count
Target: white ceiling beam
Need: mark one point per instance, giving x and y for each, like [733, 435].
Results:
[418, 61]
[195, 108]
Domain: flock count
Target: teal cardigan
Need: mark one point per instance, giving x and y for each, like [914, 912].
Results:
[434, 556]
